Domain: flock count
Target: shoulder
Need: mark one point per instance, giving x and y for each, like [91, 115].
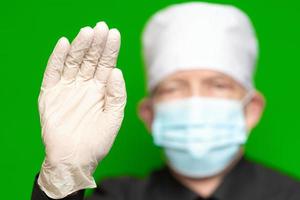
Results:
[119, 184]
[129, 187]
[123, 187]
[276, 181]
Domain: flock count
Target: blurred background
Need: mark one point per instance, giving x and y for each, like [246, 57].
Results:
[29, 31]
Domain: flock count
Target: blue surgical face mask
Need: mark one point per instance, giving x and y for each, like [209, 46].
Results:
[201, 136]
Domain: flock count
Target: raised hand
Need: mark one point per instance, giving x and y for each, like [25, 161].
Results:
[81, 105]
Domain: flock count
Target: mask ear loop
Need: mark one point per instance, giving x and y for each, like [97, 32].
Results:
[248, 97]
[246, 100]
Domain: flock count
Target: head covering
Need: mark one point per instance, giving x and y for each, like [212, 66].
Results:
[200, 35]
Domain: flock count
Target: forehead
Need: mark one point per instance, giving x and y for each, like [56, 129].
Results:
[198, 75]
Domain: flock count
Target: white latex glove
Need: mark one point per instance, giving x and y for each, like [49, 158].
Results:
[81, 105]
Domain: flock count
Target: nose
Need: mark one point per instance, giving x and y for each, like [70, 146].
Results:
[195, 89]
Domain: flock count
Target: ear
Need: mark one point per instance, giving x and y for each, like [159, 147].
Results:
[254, 110]
[145, 112]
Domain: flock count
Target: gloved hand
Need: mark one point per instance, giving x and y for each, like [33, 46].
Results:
[81, 106]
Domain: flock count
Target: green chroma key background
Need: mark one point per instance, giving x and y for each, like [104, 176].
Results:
[29, 31]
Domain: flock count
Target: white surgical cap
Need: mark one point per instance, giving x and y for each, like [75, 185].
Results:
[200, 35]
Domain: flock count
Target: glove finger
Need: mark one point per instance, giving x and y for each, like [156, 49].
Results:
[109, 56]
[55, 63]
[92, 57]
[79, 47]
[115, 96]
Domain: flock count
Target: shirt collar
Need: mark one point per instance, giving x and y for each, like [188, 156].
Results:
[173, 189]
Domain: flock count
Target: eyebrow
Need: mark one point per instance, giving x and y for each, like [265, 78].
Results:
[219, 77]
[180, 81]
[176, 81]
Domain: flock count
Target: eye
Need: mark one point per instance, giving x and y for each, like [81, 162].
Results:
[222, 85]
[170, 90]
[167, 90]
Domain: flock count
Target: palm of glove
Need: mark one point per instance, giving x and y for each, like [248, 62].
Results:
[74, 121]
[81, 107]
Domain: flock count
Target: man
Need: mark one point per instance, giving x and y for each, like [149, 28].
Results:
[200, 61]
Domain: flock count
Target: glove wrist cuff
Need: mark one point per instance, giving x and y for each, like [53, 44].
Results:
[62, 180]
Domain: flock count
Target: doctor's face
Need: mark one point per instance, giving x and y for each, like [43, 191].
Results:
[203, 83]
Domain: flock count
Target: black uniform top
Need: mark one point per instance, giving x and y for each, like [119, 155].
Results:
[246, 181]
